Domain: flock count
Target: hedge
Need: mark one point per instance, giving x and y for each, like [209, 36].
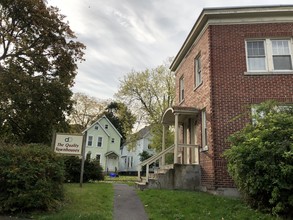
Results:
[31, 178]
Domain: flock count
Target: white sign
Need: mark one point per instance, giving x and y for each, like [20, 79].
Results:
[68, 144]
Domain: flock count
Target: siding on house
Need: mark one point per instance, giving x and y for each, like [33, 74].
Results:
[104, 128]
[130, 158]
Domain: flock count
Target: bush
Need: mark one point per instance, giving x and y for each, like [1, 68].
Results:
[31, 178]
[260, 160]
[92, 170]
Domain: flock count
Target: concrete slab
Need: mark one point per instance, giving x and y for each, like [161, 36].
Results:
[127, 205]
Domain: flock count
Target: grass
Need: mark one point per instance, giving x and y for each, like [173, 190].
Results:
[130, 180]
[179, 205]
[95, 201]
[92, 201]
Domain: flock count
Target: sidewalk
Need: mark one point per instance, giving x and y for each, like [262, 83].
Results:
[127, 205]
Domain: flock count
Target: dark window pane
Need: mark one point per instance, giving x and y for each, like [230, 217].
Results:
[282, 62]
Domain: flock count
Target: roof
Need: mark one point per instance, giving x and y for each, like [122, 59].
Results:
[143, 132]
[232, 15]
[183, 112]
[111, 153]
[98, 122]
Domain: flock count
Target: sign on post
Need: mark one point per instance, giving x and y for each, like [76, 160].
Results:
[68, 144]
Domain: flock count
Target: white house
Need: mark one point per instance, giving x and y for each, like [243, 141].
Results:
[103, 143]
[130, 157]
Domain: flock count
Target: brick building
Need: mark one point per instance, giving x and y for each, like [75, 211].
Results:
[232, 59]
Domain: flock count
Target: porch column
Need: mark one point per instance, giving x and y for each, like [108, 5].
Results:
[147, 173]
[138, 172]
[176, 138]
[164, 144]
[185, 149]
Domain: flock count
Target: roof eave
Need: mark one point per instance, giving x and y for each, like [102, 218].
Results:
[224, 13]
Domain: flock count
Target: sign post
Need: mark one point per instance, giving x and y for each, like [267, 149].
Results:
[82, 159]
[71, 145]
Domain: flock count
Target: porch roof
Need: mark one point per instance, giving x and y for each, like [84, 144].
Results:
[111, 153]
[183, 113]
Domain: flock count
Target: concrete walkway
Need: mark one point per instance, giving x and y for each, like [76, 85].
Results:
[127, 205]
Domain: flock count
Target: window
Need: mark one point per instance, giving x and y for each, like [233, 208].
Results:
[99, 143]
[181, 89]
[106, 126]
[258, 113]
[90, 141]
[130, 162]
[197, 71]
[98, 158]
[281, 55]
[256, 55]
[96, 127]
[268, 55]
[204, 133]
[113, 140]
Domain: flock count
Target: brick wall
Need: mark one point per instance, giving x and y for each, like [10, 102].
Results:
[232, 91]
[226, 91]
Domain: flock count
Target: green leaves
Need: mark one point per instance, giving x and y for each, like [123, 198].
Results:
[261, 159]
[37, 68]
[31, 178]
[148, 94]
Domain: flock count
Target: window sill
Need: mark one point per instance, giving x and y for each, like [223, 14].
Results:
[204, 149]
[269, 73]
[196, 87]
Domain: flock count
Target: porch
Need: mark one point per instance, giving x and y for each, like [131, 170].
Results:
[184, 172]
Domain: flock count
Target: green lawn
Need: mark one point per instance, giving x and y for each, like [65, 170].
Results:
[95, 201]
[177, 205]
[91, 202]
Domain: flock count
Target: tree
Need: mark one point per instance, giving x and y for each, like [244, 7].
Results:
[149, 93]
[261, 159]
[121, 117]
[85, 111]
[38, 59]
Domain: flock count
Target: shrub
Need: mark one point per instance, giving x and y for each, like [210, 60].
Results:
[31, 178]
[92, 169]
[260, 159]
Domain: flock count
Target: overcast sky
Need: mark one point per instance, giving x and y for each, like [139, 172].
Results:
[126, 35]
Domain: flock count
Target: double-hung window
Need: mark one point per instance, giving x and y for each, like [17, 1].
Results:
[181, 89]
[90, 141]
[100, 142]
[197, 71]
[281, 55]
[269, 55]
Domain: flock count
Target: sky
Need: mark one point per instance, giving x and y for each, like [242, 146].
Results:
[131, 35]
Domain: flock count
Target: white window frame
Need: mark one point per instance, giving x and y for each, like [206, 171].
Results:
[269, 62]
[278, 108]
[181, 89]
[197, 71]
[90, 141]
[98, 141]
[113, 140]
[106, 126]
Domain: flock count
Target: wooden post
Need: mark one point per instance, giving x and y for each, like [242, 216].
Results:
[138, 172]
[176, 138]
[163, 144]
[82, 158]
[147, 172]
